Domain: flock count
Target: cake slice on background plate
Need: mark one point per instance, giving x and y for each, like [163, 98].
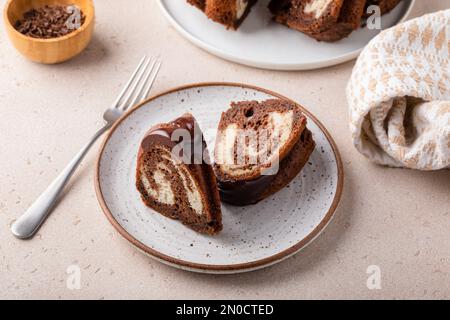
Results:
[323, 20]
[308, 16]
[230, 13]
[349, 20]
[174, 177]
[260, 148]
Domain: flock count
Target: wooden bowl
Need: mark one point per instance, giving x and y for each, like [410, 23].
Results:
[52, 50]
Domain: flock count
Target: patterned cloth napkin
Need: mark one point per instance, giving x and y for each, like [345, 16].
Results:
[399, 95]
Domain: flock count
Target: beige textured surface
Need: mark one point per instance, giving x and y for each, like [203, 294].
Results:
[396, 219]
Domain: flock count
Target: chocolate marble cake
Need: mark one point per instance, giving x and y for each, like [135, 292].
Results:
[349, 20]
[230, 13]
[324, 20]
[385, 5]
[260, 148]
[308, 16]
[174, 178]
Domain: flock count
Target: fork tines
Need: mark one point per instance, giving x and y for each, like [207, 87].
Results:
[138, 87]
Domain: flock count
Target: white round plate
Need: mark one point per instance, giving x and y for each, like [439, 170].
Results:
[254, 236]
[262, 43]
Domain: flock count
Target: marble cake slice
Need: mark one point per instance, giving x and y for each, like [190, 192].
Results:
[324, 20]
[230, 13]
[385, 5]
[179, 183]
[260, 148]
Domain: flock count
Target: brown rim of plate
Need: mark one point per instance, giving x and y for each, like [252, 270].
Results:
[248, 266]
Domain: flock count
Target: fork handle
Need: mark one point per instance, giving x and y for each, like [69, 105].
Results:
[27, 225]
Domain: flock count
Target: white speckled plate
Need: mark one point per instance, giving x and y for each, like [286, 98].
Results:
[262, 43]
[254, 236]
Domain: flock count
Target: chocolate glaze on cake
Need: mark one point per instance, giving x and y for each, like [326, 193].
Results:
[179, 190]
[162, 133]
[241, 193]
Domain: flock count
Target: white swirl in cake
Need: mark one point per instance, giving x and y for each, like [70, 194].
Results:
[164, 192]
[241, 7]
[194, 197]
[240, 150]
[317, 7]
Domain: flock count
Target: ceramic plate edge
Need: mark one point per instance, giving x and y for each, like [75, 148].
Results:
[234, 268]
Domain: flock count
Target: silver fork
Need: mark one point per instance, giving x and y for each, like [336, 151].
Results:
[136, 90]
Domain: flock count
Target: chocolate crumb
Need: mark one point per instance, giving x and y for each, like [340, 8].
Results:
[50, 21]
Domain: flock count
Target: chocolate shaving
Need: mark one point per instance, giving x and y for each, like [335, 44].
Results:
[50, 21]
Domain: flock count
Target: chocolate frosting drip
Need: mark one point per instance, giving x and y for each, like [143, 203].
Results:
[171, 134]
[244, 192]
[162, 133]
